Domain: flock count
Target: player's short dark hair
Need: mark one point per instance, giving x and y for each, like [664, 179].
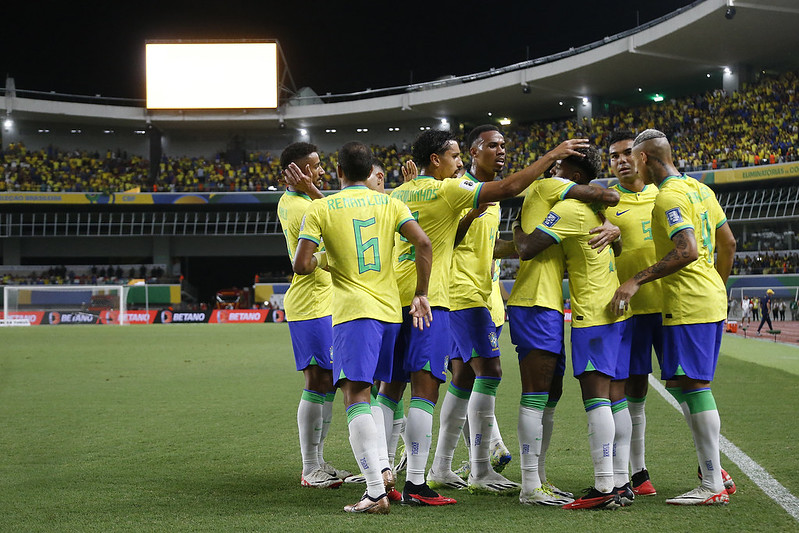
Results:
[355, 160]
[620, 135]
[430, 142]
[588, 165]
[479, 130]
[294, 152]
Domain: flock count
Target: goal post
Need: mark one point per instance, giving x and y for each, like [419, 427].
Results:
[74, 304]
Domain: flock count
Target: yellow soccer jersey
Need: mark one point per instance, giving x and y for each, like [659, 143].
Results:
[437, 206]
[309, 296]
[592, 276]
[695, 294]
[358, 227]
[539, 280]
[470, 282]
[633, 215]
[496, 304]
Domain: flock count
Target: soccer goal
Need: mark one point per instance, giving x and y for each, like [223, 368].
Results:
[64, 304]
[788, 294]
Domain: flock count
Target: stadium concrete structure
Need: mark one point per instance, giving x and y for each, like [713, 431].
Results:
[703, 46]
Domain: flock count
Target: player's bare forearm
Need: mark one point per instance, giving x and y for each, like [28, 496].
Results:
[493, 191]
[725, 251]
[683, 253]
[503, 249]
[466, 222]
[530, 245]
[604, 235]
[590, 194]
[412, 231]
[304, 260]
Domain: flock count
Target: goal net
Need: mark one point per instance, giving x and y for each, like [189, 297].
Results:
[64, 304]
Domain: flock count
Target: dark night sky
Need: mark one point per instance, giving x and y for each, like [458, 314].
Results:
[91, 47]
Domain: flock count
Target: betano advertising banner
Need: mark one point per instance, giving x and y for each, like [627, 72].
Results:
[162, 316]
[77, 198]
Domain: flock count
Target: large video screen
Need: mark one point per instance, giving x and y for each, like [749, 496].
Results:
[227, 75]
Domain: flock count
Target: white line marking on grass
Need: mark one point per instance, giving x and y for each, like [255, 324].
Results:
[773, 488]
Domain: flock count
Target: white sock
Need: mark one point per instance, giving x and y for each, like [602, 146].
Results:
[397, 427]
[496, 436]
[363, 439]
[621, 445]
[638, 437]
[600, 442]
[467, 437]
[481, 417]
[419, 435]
[377, 414]
[707, 427]
[451, 419]
[327, 417]
[530, 430]
[548, 423]
[309, 424]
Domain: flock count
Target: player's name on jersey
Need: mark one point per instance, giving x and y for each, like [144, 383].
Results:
[345, 202]
[424, 195]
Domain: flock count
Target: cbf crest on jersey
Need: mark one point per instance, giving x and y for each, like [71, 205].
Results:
[673, 216]
[551, 219]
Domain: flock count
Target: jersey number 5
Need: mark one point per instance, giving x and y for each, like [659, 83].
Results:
[363, 247]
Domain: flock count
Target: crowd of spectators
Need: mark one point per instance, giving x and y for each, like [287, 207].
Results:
[110, 275]
[756, 125]
[766, 263]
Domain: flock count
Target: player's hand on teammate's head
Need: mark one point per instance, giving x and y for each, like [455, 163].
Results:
[409, 170]
[421, 313]
[569, 147]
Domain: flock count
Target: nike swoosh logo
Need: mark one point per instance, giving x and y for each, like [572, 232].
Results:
[620, 213]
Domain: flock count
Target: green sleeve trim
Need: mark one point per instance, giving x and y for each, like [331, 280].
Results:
[679, 228]
[550, 233]
[476, 201]
[721, 223]
[403, 223]
[566, 190]
[308, 238]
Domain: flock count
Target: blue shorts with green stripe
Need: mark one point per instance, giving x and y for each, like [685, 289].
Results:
[363, 349]
[473, 334]
[428, 349]
[537, 328]
[599, 347]
[312, 341]
[692, 350]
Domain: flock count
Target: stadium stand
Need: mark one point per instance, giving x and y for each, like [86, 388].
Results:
[755, 126]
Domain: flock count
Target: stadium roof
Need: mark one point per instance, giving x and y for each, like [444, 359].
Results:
[670, 56]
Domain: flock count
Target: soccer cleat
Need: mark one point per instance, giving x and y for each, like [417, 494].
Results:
[320, 479]
[335, 472]
[552, 488]
[423, 495]
[403, 462]
[626, 495]
[388, 480]
[463, 470]
[641, 485]
[543, 496]
[701, 496]
[444, 480]
[492, 483]
[729, 484]
[368, 505]
[355, 479]
[394, 495]
[500, 456]
[593, 499]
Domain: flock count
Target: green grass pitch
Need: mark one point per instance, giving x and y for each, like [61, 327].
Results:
[193, 428]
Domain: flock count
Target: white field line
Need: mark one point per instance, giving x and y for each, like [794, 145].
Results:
[748, 466]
